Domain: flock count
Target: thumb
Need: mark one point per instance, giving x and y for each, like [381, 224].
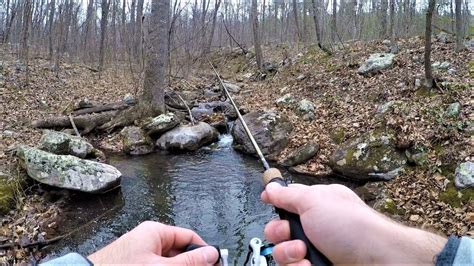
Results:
[207, 255]
[290, 198]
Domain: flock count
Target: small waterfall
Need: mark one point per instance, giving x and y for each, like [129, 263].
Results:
[225, 141]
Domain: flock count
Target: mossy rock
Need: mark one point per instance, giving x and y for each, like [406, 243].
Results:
[338, 135]
[10, 187]
[390, 207]
[371, 157]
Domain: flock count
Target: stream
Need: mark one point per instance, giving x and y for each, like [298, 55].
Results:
[214, 191]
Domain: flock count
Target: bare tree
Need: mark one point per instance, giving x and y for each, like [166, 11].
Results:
[27, 13]
[207, 48]
[52, 7]
[333, 21]
[256, 36]
[383, 18]
[429, 17]
[103, 32]
[459, 33]
[297, 23]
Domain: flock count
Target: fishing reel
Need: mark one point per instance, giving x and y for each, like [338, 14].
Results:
[260, 253]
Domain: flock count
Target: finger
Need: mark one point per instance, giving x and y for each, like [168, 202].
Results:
[290, 198]
[172, 238]
[207, 255]
[265, 198]
[277, 231]
[289, 252]
[304, 262]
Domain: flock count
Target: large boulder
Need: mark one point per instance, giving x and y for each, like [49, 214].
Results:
[66, 171]
[187, 137]
[372, 157]
[160, 124]
[375, 63]
[464, 175]
[285, 100]
[64, 144]
[203, 110]
[135, 141]
[270, 129]
[302, 154]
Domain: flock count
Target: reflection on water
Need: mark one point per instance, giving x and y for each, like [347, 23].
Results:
[215, 192]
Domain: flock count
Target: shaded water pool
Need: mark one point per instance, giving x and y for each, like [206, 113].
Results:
[215, 192]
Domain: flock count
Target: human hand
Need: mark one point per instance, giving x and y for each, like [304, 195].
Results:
[156, 243]
[344, 228]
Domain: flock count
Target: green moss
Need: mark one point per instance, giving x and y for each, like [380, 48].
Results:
[390, 207]
[425, 92]
[338, 135]
[7, 195]
[456, 198]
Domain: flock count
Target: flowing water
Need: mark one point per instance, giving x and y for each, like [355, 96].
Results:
[215, 192]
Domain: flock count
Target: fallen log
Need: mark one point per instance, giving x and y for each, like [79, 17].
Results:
[85, 122]
[102, 108]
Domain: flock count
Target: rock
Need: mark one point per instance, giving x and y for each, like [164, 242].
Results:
[388, 106]
[172, 100]
[135, 141]
[416, 158]
[309, 116]
[210, 94]
[84, 103]
[453, 109]
[305, 106]
[301, 77]
[414, 217]
[232, 88]
[66, 171]
[386, 42]
[375, 63]
[187, 137]
[64, 144]
[270, 129]
[302, 154]
[443, 37]
[269, 67]
[417, 83]
[286, 99]
[129, 99]
[203, 110]
[372, 157]
[160, 124]
[395, 49]
[451, 71]
[442, 66]
[464, 175]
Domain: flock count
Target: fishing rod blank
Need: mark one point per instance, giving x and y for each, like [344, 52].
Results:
[274, 175]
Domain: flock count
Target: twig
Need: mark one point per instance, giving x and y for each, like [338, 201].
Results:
[187, 107]
[74, 125]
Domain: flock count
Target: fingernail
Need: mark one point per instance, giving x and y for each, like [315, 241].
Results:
[290, 252]
[210, 254]
[272, 186]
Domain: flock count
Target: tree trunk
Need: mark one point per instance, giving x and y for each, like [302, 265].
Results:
[138, 29]
[50, 28]
[155, 81]
[333, 20]
[207, 49]
[429, 16]
[27, 12]
[297, 23]
[459, 33]
[103, 32]
[256, 36]
[383, 18]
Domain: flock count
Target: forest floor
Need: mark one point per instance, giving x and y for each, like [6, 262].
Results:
[346, 107]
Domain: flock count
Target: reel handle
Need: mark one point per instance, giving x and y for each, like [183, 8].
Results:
[296, 229]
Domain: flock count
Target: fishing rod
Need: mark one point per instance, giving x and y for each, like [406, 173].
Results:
[274, 175]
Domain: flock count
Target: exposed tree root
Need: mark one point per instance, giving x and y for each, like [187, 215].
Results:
[102, 108]
[129, 116]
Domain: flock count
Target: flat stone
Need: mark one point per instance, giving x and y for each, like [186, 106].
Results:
[302, 154]
[135, 141]
[160, 124]
[69, 172]
[65, 144]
